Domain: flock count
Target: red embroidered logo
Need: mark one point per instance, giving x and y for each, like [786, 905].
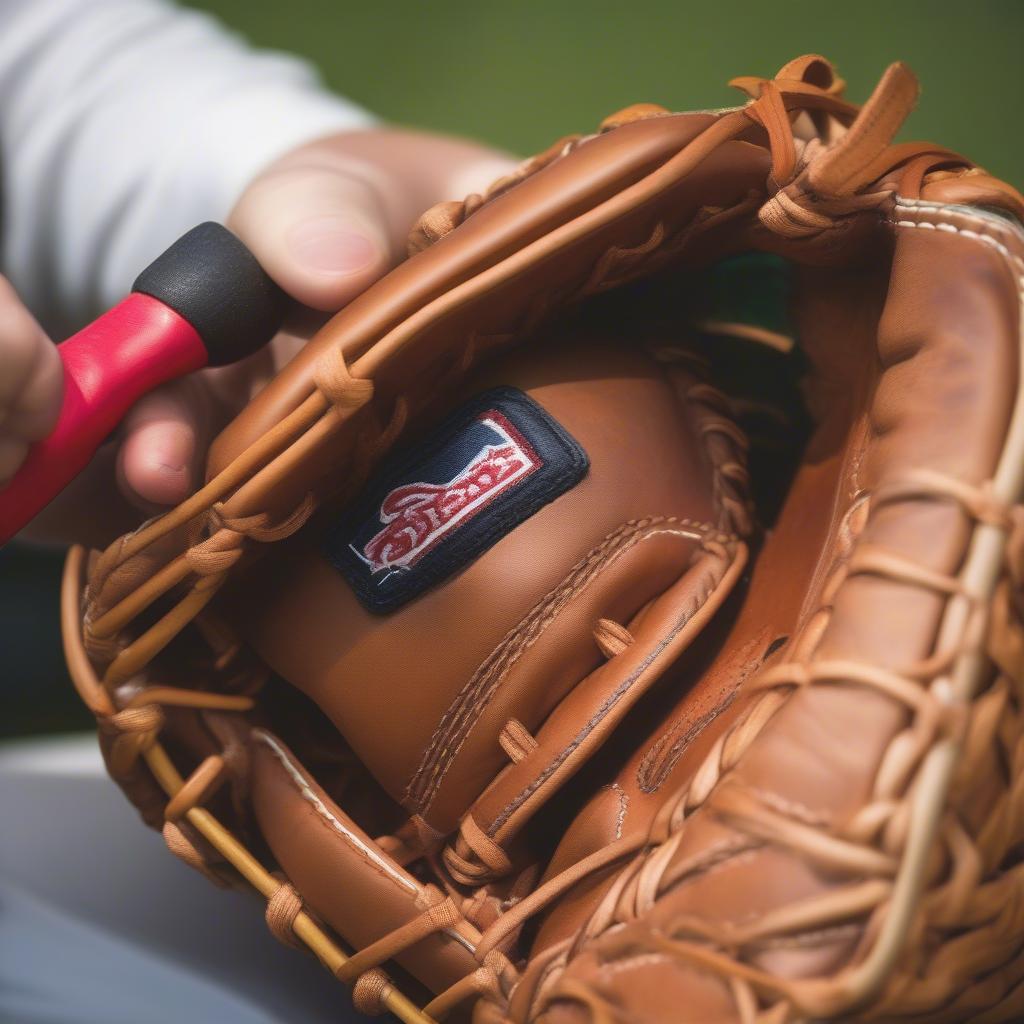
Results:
[418, 515]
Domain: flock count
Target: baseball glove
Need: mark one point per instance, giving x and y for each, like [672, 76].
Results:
[617, 613]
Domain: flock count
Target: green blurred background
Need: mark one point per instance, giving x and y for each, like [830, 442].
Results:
[519, 75]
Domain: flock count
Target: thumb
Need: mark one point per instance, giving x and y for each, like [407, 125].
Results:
[320, 231]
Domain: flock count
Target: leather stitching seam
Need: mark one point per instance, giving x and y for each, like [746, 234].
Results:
[1013, 261]
[475, 696]
[324, 813]
[556, 762]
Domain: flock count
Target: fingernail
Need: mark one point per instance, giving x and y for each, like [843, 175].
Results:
[328, 244]
[161, 469]
[170, 450]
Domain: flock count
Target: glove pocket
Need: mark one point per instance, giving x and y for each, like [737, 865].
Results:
[636, 655]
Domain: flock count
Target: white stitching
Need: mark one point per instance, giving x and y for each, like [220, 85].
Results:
[339, 827]
[642, 960]
[971, 213]
[1015, 261]
[620, 818]
[321, 808]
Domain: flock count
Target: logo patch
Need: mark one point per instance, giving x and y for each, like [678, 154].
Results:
[439, 506]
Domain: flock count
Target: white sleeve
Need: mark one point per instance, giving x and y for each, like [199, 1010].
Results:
[122, 124]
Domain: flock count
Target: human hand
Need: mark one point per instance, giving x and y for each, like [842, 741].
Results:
[325, 221]
[31, 382]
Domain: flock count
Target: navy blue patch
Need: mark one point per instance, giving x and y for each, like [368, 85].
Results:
[435, 508]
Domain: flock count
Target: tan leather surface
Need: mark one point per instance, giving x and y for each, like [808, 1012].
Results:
[789, 572]
[733, 777]
[496, 231]
[413, 358]
[599, 703]
[342, 874]
[526, 645]
[945, 351]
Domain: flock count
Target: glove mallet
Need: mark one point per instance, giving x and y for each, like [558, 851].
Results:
[204, 302]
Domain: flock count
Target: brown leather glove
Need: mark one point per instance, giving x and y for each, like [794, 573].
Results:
[518, 682]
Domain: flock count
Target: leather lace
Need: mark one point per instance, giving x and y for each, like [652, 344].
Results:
[814, 184]
[935, 713]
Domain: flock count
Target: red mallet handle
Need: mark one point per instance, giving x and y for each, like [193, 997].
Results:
[204, 301]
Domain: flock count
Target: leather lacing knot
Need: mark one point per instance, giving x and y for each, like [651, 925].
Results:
[369, 991]
[475, 856]
[101, 649]
[257, 527]
[787, 217]
[218, 553]
[362, 970]
[133, 730]
[485, 980]
[816, 185]
[439, 915]
[334, 381]
[282, 909]
[371, 984]
[212, 559]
